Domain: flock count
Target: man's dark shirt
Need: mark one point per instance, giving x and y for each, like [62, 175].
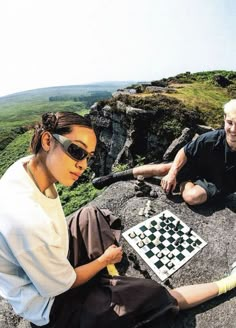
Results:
[211, 158]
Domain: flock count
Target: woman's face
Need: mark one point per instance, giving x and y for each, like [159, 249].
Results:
[61, 167]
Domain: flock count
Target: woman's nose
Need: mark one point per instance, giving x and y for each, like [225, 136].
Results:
[82, 165]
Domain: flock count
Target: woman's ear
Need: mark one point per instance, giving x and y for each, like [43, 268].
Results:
[46, 141]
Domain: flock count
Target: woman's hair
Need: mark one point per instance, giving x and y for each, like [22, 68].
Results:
[230, 107]
[59, 123]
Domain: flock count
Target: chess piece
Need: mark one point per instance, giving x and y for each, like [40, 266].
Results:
[141, 211]
[140, 243]
[132, 234]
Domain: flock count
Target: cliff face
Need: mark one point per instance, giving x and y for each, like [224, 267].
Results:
[129, 127]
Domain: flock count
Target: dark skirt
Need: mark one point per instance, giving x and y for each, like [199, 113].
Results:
[107, 301]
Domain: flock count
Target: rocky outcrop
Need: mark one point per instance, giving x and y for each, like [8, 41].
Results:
[129, 127]
[221, 81]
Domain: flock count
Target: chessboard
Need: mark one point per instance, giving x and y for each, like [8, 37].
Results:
[164, 242]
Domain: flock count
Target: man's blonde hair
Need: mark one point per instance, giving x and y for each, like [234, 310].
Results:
[230, 107]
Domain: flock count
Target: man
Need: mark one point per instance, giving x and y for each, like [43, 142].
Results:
[205, 168]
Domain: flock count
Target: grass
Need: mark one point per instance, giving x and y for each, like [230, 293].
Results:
[27, 113]
[203, 95]
[16, 149]
[208, 98]
[73, 199]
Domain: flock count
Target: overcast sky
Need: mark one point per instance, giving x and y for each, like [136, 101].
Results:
[63, 42]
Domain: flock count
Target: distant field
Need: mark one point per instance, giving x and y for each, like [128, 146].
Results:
[25, 108]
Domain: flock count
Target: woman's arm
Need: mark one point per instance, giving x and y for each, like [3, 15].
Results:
[112, 254]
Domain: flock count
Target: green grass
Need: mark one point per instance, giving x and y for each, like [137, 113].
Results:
[203, 95]
[208, 98]
[26, 108]
[27, 113]
[73, 199]
[16, 149]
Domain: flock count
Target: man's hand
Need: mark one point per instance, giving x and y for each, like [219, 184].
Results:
[168, 183]
[112, 255]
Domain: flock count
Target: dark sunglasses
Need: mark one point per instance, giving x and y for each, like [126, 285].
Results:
[71, 149]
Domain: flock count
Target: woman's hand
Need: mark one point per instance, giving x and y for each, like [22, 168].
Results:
[112, 255]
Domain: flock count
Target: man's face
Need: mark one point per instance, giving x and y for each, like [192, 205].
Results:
[230, 129]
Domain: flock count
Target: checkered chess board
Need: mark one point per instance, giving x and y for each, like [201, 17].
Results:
[164, 242]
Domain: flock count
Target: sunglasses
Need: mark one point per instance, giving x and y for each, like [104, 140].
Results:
[71, 149]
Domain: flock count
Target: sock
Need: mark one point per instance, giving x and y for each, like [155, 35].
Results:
[226, 284]
[123, 175]
[107, 180]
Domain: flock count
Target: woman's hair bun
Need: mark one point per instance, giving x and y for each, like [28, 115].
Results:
[49, 122]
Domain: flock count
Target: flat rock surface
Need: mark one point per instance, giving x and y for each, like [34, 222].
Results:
[215, 223]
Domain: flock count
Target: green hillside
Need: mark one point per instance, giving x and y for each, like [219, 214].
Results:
[24, 108]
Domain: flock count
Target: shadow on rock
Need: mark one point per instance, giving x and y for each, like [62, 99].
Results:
[231, 202]
[175, 198]
[207, 209]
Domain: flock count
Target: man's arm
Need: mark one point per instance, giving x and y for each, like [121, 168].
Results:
[168, 183]
[84, 273]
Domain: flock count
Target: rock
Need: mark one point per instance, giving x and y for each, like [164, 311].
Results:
[221, 81]
[215, 224]
[10, 320]
[153, 89]
[154, 193]
[177, 144]
[128, 126]
[200, 129]
[126, 91]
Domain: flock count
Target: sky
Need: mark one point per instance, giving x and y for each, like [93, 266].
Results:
[68, 42]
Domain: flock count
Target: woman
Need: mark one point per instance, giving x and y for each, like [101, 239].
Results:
[36, 277]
